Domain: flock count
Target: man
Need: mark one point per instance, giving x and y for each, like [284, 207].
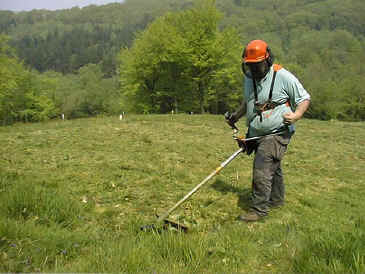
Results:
[274, 100]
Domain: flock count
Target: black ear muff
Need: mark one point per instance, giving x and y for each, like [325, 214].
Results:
[243, 53]
[245, 70]
[243, 63]
[270, 59]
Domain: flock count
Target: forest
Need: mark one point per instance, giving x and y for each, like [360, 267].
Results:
[155, 56]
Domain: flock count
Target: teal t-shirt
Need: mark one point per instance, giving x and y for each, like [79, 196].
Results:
[286, 88]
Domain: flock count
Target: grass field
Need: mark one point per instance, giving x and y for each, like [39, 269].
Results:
[74, 194]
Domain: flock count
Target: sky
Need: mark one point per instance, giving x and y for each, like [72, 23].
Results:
[27, 5]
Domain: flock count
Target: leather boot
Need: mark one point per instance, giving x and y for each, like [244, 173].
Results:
[251, 216]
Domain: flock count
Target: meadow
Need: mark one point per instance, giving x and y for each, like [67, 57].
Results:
[74, 194]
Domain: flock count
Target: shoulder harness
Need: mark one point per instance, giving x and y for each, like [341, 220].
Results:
[269, 104]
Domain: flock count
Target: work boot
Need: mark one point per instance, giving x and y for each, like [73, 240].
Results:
[251, 216]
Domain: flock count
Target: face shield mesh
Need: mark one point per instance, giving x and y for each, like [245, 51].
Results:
[257, 70]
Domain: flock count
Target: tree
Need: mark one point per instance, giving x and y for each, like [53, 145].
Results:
[8, 81]
[322, 42]
[176, 60]
[84, 94]
[19, 99]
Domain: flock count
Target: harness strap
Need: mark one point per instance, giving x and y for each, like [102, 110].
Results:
[269, 104]
[272, 85]
[257, 104]
[255, 90]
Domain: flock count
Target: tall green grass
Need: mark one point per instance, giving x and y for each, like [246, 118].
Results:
[74, 194]
[26, 200]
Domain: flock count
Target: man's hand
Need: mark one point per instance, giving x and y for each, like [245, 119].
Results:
[231, 119]
[292, 117]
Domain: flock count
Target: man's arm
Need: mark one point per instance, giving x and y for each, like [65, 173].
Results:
[239, 112]
[292, 117]
[233, 118]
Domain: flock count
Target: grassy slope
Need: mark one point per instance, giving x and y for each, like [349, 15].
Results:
[73, 195]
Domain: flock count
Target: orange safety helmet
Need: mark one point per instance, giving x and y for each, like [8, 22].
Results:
[257, 51]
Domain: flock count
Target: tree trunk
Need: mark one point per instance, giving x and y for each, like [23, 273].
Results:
[201, 96]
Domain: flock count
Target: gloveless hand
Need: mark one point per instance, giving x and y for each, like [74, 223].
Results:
[290, 118]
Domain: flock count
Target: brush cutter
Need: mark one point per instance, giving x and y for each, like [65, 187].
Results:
[163, 222]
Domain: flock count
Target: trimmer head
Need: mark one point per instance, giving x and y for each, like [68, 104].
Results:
[179, 226]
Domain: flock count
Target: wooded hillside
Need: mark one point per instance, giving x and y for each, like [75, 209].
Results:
[321, 41]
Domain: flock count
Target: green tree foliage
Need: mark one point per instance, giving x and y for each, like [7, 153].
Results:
[66, 40]
[30, 96]
[19, 99]
[179, 61]
[84, 94]
[332, 70]
[321, 42]
[9, 67]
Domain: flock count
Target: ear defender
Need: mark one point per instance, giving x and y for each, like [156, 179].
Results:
[270, 59]
[243, 61]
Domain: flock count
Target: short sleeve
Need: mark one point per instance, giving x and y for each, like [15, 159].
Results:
[295, 90]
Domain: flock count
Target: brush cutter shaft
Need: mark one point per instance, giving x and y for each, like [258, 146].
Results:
[187, 196]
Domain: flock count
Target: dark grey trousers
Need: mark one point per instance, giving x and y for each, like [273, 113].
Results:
[268, 187]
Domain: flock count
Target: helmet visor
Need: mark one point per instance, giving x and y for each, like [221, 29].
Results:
[256, 70]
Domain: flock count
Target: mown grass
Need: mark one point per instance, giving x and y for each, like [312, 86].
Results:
[74, 194]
